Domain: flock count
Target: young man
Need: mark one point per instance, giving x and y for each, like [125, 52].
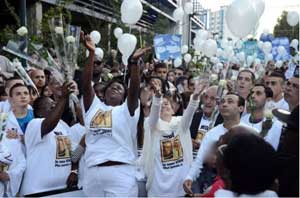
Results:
[111, 147]
[48, 147]
[291, 92]
[5, 106]
[268, 128]
[161, 70]
[20, 115]
[231, 107]
[245, 81]
[38, 78]
[276, 82]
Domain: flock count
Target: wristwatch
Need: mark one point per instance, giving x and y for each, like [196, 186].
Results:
[75, 171]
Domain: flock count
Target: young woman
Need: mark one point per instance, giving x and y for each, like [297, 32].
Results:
[111, 147]
[167, 152]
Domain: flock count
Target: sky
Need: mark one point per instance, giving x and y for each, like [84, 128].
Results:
[273, 9]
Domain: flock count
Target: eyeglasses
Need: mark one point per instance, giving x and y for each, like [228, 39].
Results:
[294, 85]
[222, 148]
[97, 62]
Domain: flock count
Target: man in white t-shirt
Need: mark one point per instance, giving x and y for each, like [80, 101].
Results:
[48, 147]
[5, 106]
[276, 82]
[231, 107]
[267, 127]
[111, 147]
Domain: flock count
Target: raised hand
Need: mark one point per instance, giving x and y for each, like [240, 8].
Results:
[87, 41]
[140, 52]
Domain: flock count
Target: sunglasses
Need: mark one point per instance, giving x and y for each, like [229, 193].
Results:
[222, 148]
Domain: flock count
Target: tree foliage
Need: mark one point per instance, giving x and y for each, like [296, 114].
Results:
[282, 28]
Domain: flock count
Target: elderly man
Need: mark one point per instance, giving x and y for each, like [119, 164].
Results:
[291, 92]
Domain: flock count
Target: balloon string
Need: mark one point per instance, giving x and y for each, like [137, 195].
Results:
[129, 29]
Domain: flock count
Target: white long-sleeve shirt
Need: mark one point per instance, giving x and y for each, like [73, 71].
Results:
[210, 138]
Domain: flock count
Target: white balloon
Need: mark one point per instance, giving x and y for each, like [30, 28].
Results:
[219, 52]
[184, 49]
[224, 43]
[187, 58]
[259, 5]
[268, 57]
[202, 34]
[292, 18]
[241, 17]
[118, 32]
[210, 47]
[260, 44]
[266, 31]
[199, 45]
[250, 60]
[126, 44]
[294, 43]
[267, 47]
[220, 66]
[188, 7]
[281, 50]
[131, 11]
[241, 56]
[178, 14]
[125, 60]
[177, 62]
[278, 64]
[257, 61]
[99, 53]
[239, 44]
[95, 37]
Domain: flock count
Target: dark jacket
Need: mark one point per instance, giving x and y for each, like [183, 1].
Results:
[196, 122]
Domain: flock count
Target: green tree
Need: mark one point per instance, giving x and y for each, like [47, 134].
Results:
[282, 28]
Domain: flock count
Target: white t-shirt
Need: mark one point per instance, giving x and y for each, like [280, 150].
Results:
[273, 135]
[48, 158]
[16, 167]
[111, 134]
[281, 104]
[170, 168]
[210, 138]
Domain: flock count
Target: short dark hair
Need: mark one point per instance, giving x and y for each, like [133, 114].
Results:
[277, 74]
[37, 103]
[159, 65]
[249, 71]
[14, 87]
[116, 80]
[268, 90]
[241, 101]
[254, 172]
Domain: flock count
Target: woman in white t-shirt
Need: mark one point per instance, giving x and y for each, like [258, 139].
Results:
[167, 152]
[111, 145]
[48, 147]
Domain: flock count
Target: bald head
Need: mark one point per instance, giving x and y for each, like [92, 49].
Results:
[38, 78]
[210, 100]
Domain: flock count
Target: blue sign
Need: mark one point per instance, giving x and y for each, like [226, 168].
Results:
[167, 46]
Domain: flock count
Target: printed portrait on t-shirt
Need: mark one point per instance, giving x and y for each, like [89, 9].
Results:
[102, 120]
[200, 135]
[171, 149]
[3, 167]
[63, 147]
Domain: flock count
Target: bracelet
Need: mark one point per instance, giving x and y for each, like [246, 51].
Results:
[75, 171]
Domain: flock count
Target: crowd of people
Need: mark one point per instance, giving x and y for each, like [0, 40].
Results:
[151, 130]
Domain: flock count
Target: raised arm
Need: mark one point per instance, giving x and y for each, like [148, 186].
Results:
[87, 75]
[50, 122]
[192, 107]
[134, 85]
[156, 105]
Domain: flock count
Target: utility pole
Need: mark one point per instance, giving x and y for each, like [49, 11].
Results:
[23, 20]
